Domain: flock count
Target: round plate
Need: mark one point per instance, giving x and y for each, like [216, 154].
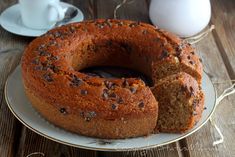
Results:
[24, 112]
[10, 20]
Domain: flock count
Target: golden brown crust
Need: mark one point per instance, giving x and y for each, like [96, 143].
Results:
[51, 64]
[84, 123]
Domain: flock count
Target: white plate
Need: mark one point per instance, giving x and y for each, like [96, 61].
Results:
[24, 112]
[10, 20]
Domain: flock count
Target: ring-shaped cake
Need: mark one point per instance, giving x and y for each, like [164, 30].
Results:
[113, 107]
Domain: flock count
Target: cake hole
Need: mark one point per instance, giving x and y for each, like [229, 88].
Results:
[116, 72]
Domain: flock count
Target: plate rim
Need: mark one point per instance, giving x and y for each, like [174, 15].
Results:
[106, 149]
[34, 35]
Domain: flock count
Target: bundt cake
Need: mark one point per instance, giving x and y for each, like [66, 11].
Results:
[113, 107]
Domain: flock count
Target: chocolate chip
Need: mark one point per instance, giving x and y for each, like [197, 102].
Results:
[92, 114]
[40, 47]
[36, 61]
[88, 115]
[178, 53]
[164, 54]
[145, 32]
[84, 92]
[45, 67]
[48, 77]
[191, 90]
[112, 95]
[191, 62]
[195, 103]
[57, 34]
[44, 53]
[120, 101]
[53, 58]
[194, 113]
[108, 22]
[193, 53]
[204, 108]
[134, 24]
[179, 48]
[114, 106]
[55, 69]
[84, 29]
[52, 43]
[99, 25]
[141, 104]
[120, 23]
[87, 119]
[133, 90]
[105, 94]
[38, 67]
[184, 88]
[63, 111]
[76, 81]
[82, 114]
[189, 57]
[72, 29]
[109, 85]
[125, 83]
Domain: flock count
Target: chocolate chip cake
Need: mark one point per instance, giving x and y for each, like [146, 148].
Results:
[113, 107]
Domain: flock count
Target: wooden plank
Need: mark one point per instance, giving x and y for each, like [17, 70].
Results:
[224, 19]
[215, 52]
[30, 142]
[9, 137]
[132, 11]
[171, 150]
[9, 58]
[200, 143]
[9, 40]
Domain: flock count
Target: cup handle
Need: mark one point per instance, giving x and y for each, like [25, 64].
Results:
[55, 13]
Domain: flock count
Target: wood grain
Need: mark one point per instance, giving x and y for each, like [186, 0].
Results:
[10, 53]
[9, 126]
[32, 142]
[200, 143]
[217, 52]
[223, 16]
[26, 141]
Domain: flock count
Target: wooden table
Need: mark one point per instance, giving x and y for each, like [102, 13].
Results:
[217, 51]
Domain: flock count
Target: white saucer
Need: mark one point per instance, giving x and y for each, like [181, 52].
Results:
[20, 106]
[10, 20]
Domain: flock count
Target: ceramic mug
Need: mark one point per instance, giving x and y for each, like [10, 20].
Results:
[41, 14]
[182, 17]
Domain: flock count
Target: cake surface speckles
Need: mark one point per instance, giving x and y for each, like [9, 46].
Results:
[103, 107]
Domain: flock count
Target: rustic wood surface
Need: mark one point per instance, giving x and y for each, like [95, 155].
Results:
[217, 51]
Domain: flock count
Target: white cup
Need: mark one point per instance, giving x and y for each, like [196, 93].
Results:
[41, 14]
